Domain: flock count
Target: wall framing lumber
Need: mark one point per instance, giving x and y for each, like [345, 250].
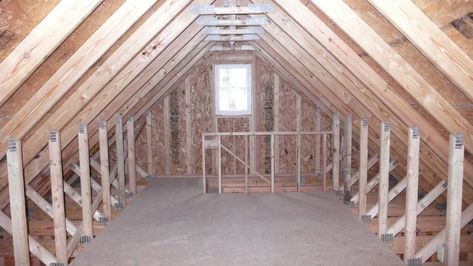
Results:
[363, 168]
[383, 179]
[37, 46]
[130, 134]
[430, 40]
[16, 186]
[85, 187]
[188, 118]
[57, 193]
[52, 91]
[105, 171]
[412, 194]
[454, 200]
[120, 161]
[347, 130]
[149, 147]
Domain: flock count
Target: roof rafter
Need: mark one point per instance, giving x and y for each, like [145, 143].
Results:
[430, 40]
[37, 46]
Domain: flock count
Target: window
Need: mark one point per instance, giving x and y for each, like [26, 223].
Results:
[233, 89]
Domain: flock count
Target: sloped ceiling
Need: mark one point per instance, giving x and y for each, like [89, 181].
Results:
[304, 41]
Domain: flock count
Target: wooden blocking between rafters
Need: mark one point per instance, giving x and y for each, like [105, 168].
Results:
[120, 161]
[57, 194]
[16, 185]
[411, 196]
[85, 187]
[131, 155]
[363, 168]
[454, 199]
[105, 172]
[336, 152]
[383, 181]
[347, 160]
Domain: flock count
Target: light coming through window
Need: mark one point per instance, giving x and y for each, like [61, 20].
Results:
[233, 89]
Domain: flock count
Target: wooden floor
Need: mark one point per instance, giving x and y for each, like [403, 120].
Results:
[173, 223]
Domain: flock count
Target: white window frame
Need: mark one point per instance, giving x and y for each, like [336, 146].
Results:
[219, 112]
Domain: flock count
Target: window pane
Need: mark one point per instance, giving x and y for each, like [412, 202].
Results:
[233, 100]
[233, 77]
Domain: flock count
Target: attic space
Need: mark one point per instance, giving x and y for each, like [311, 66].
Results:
[236, 132]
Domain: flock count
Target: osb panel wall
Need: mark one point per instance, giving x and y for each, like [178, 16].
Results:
[203, 118]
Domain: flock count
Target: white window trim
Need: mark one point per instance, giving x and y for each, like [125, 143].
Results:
[219, 112]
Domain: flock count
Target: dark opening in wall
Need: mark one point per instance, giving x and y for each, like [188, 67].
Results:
[464, 25]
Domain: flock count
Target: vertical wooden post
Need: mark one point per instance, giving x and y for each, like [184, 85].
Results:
[84, 160]
[383, 181]
[105, 171]
[188, 125]
[219, 161]
[298, 141]
[57, 195]
[16, 186]
[204, 174]
[149, 143]
[246, 163]
[324, 162]
[347, 160]
[131, 155]
[363, 169]
[272, 163]
[120, 161]
[411, 194]
[454, 199]
[317, 141]
[166, 136]
[336, 152]
[276, 104]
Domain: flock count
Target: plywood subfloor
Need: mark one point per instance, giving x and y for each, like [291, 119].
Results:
[173, 223]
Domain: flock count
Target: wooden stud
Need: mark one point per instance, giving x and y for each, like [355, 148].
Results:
[149, 143]
[105, 171]
[324, 162]
[16, 186]
[85, 188]
[188, 153]
[383, 179]
[276, 127]
[298, 141]
[166, 136]
[412, 194]
[347, 160]
[57, 195]
[36, 47]
[120, 160]
[363, 169]
[246, 163]
[219, 164]
[272, 163]
[204, 174]
[336, 152]
[318, 117]
[454, 199]
[131, 155]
